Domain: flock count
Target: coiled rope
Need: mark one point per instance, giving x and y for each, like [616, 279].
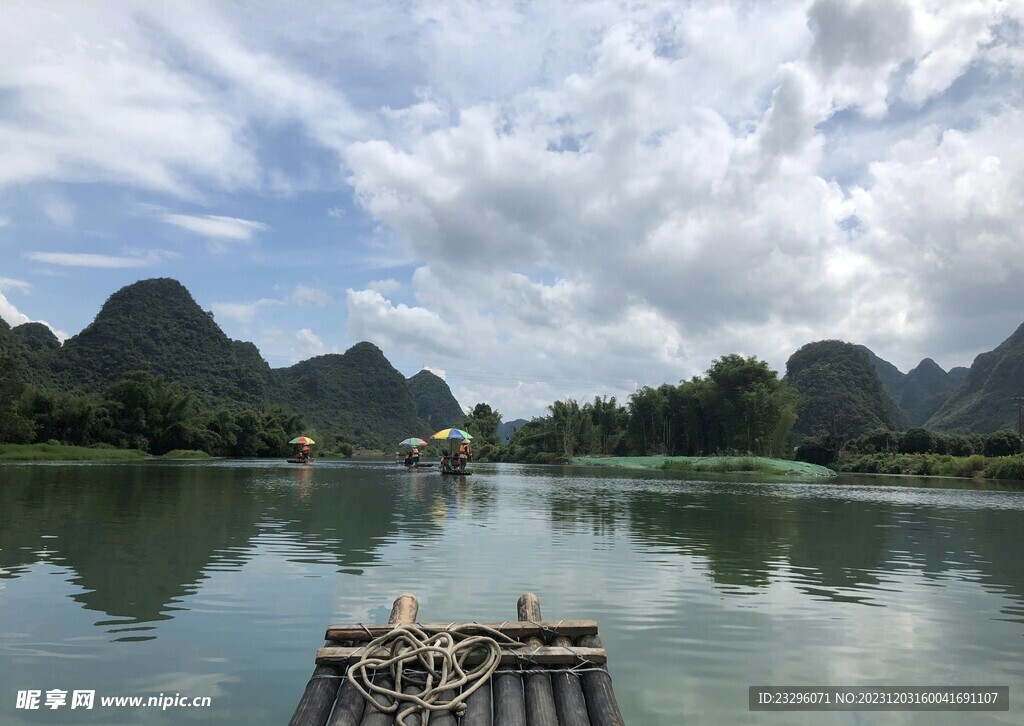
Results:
[432, 664]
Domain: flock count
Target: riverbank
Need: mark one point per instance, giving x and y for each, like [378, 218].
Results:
[719, 464]
[64, 452]
[966, 467]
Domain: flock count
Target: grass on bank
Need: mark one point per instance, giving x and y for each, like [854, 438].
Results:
[711, 464]
[186, 454]
[976, 466]
[64, 452]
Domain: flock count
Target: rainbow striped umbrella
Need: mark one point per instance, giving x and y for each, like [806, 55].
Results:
[302, 440]
[452, 434]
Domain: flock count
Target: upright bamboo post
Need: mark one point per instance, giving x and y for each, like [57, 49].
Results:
[540, 700]
[403, 612]
[351, 704]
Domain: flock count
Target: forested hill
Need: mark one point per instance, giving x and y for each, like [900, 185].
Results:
[434, 400]
[919, 393]
[841, 391]
[156, 326]
[985, 401]
[358, 392]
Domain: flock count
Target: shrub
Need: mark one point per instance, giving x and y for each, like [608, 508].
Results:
[1009, 467]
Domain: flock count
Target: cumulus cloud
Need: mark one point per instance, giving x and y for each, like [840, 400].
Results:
[592, 197]
[10, 313]
[310, 343]
[384, 287]
[373, 317]
[14, 317]
[679, 226]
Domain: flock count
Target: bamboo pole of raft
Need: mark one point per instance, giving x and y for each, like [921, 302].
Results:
[602, 707]
[315, 705]
[509, 705]
[317, 700]
[478, 707]
[540, 700]
[509, 695]
[570, 703]
[403, 612]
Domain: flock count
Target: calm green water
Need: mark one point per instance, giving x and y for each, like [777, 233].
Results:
[218, 579]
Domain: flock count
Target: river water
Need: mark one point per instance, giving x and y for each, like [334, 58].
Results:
[218, 579]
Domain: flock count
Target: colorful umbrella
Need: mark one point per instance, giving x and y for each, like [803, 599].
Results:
[452, 434]
[413, 442]
[302, 440]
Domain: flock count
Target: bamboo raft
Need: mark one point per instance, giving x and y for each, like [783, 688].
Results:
[557, 677]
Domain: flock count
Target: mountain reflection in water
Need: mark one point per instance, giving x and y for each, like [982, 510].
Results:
[222, 576]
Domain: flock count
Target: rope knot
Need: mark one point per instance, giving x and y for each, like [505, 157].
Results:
[424, 668]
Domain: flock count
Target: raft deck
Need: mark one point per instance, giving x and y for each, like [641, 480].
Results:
[557, 678]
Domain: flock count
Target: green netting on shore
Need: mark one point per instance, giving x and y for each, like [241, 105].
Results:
[707, 463]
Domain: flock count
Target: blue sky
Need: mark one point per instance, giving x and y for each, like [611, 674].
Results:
[538, 200]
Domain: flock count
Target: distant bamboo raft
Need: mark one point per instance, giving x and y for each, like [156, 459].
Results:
[555, 675]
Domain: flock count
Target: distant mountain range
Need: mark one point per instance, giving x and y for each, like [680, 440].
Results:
[507, 428]
[844, 380]
[156, 326]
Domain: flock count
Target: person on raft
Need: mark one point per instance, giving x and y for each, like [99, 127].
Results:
[415, 454]
[464, 455]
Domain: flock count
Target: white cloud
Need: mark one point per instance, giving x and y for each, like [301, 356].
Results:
[84, 259]
[14, 317]
[4, 220]
[9, 283]
[372, 317]
[439, 372]
[310, 343]
[10, 313]
[241, 312]
[166, 98]
[58, 209]
[218, 230]
[305, 295]
[596, 196]
[384, 287]
[682, 214]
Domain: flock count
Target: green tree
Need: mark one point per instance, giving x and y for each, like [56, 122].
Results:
[918, 441]
[1002, 443]
[568, 421]
[151, 414]
[14, 427]
[482, 422]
